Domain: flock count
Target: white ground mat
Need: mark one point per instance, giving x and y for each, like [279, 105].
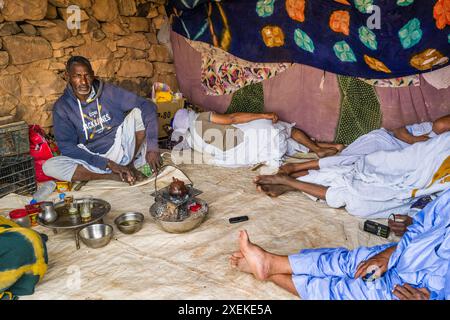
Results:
[153, 264]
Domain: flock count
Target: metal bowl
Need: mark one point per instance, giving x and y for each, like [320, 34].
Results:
[188, 224]
[96, 235]
[129, 222]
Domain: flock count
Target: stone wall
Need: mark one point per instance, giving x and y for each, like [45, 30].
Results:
[126, 41]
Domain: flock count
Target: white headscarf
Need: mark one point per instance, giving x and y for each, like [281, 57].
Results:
[181, 123]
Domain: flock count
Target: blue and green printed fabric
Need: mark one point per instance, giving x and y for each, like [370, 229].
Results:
[361, 38]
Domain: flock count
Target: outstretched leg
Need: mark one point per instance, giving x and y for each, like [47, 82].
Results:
[299, 136]
[284, 281]
[315, 190]
[338, 146]
[260, 263]
[238, 261]
[274, 190]
[290, 168]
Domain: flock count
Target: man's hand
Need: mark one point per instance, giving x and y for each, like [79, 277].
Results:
[124, 172]
[380, 260]
[399, 224]
[272, 116]
[407, 292]
[154, 160]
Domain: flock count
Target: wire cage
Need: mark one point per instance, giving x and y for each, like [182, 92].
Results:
[17, 175]
[14, 139]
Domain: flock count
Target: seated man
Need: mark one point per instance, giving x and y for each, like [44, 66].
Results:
[417, 267]
[242, 139]
[378, 184]
[96, 136]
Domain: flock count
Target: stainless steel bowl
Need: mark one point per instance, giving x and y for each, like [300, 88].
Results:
[188, 224]
[129, 222]
[96, 235]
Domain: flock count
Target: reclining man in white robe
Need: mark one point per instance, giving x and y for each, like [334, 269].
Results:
[415, 268]
[381, 183]
[376, 140]
[243, 139]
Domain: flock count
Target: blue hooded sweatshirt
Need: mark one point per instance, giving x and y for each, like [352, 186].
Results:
[103, 114]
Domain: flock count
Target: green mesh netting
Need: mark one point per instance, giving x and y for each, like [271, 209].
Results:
[360, 110]
[248, 99]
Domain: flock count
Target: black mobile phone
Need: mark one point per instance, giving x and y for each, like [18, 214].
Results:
[238, 219]
[376, 228]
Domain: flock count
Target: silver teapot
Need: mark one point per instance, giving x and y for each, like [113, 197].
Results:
[48, 213]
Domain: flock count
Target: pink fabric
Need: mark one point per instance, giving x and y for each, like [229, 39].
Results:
[296, 96]
[402, 106]
[188, 64]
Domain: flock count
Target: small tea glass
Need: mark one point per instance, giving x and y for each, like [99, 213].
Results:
[86, 208]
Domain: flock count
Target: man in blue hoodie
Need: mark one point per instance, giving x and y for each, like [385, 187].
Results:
[103, 131]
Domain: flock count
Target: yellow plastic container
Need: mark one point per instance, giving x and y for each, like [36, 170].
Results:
[63, 186]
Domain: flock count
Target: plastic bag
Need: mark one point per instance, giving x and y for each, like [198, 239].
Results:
[42, 148]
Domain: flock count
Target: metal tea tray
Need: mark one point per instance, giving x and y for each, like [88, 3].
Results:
[67, 221]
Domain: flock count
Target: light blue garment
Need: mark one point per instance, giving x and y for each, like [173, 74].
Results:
[421, 259]
[447, 284]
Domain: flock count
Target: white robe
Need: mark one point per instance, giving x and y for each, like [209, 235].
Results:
[263, 142]
[376, 140]
[387, 182]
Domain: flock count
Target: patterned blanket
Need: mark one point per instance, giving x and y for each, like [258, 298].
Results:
[223, 73]
[375, 39]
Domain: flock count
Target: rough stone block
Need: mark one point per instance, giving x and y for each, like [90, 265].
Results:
[135, 69]
[25, 49]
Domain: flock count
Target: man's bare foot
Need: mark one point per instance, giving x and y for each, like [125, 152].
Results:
[271, 179]
[299, 174]
[326, 152]
[258, 260]
[237, 260]
[288, 168]
[273, 190]
[338, 146]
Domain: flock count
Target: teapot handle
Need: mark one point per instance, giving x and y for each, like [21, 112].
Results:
[160, 170]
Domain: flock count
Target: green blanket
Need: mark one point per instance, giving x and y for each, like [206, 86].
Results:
[23, 259]
[248, 99]
[360, 110]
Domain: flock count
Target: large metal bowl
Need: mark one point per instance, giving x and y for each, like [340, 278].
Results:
[190, 223]
[129, 222]
[96, 235]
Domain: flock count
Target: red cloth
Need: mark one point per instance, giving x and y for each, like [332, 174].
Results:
[41, 149]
